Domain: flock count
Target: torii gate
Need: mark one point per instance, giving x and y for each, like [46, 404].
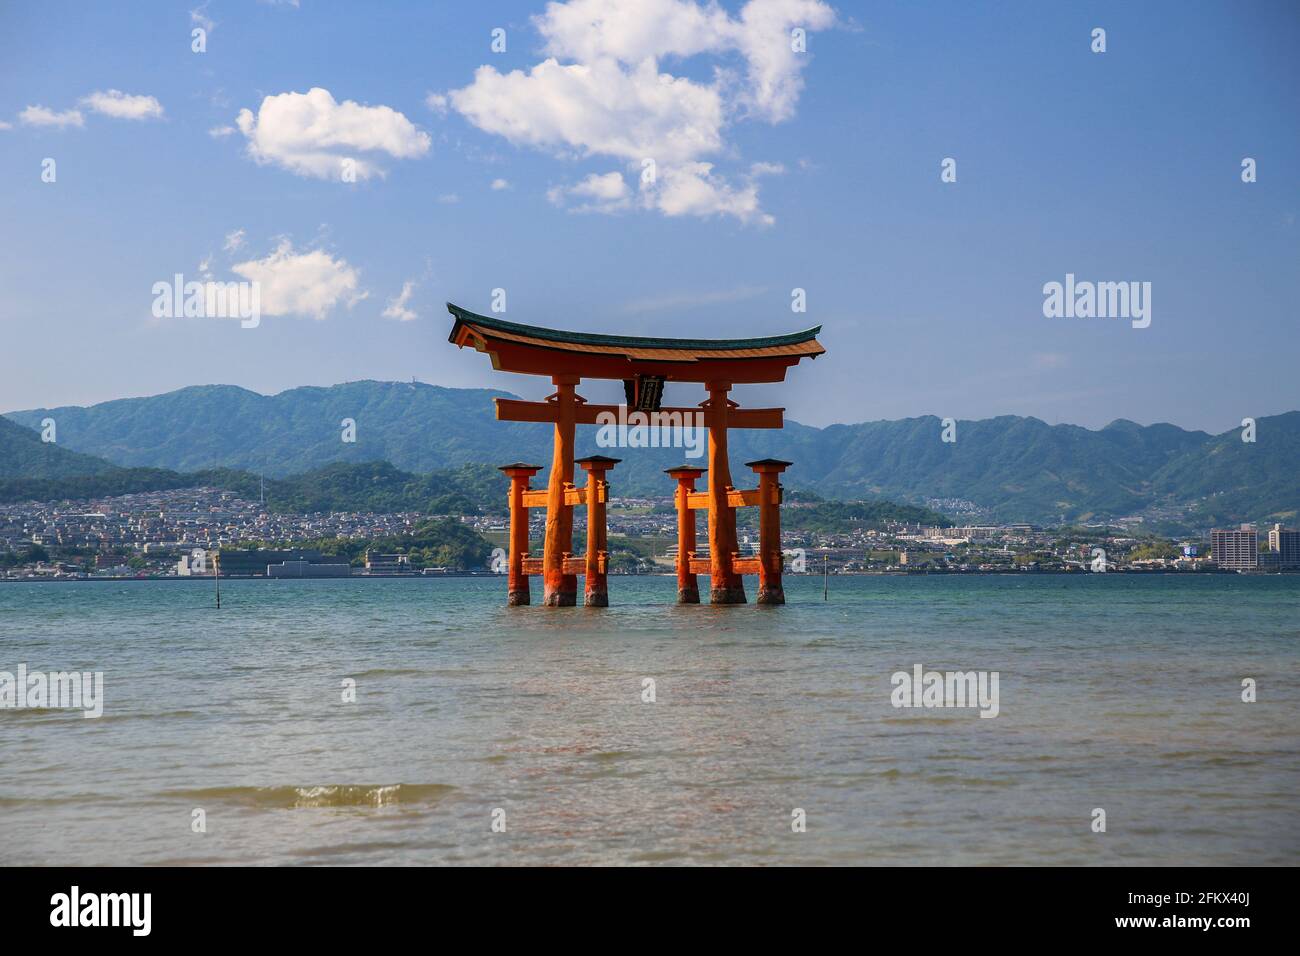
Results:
[643, 364]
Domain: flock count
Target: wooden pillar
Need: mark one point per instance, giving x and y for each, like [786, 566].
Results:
[517, 581]
[561, 590]
[597, 588]
[688, 587]
[769, 471]
[725, 585]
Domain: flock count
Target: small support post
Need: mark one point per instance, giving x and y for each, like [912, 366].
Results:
[561, 590]
[597, 588]
[688, 586]
[769, 470]
[725, 585]
[517, 582]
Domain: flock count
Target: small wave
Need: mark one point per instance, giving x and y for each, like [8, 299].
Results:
[611, 754]
[39, 715]
[156, 715]
[57, 799]
[333, 795]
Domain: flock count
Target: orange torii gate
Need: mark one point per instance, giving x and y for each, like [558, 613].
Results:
[644, 365]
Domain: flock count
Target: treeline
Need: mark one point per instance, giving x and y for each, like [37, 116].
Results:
[379, 486]
[119, 481]
[443, 543]
[368, 486]
[832, 516]
[373, 486]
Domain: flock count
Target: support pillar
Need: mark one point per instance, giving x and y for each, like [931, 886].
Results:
[561, 590]
[770, 561]
[517, 582]
[725, 585]
[597, 588]
[688, 586]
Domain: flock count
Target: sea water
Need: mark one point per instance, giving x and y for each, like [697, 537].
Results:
[420, 721]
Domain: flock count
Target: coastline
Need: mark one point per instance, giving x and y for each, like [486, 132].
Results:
[1142, 572]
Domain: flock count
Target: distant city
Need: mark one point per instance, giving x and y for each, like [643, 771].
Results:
[184, 533]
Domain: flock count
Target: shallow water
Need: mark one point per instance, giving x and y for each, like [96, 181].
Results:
[1116, 692]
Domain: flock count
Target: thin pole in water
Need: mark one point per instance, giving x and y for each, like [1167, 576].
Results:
[826, 577]
[216, 574]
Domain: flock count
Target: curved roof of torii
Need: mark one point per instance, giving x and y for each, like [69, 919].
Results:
[533, 350]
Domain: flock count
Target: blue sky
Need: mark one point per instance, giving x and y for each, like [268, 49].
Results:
[823, 173]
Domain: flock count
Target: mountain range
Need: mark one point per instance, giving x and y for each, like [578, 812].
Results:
[1008, 468]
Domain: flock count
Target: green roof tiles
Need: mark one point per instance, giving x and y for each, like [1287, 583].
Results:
[625, 341]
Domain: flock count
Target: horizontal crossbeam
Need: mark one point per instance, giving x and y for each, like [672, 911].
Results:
[738, 565]
[572, 565]
[699, 500]
[537, 497]
[695, 500]
[514, 410]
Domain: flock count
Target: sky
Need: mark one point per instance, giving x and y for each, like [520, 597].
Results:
[661, 167]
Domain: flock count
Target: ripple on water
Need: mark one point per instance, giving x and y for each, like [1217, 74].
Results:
[329, 795]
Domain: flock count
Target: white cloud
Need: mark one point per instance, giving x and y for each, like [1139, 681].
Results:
[632, 31]
[234, 240]
[684, 189]
[629, 30]
[311, 134]
[597, 109]
[42, 116]
[306, 283]
[112, 103]
[448, 198]
[614, 100]
[436, 102]
[220, 132]
[121, 105]
[499, 184]
[773, 67]
[596, 193]
[4, 125]
[397, 308]
[199, 17]
[692, 189]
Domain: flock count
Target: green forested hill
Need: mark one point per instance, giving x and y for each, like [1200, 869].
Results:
[367, 486]
[420, 428]
[24, 455]
[1014, 468]
[1227, 478]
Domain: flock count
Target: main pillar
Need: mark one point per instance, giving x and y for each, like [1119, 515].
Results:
[769, 471]
[688, 587]
[561, 590]
[517, 582]
[725, 585]
[597, 587]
